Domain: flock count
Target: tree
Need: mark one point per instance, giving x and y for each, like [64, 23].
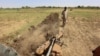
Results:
[25, 7]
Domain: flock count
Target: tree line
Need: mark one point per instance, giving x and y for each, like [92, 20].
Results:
[80, 7]
[88, 7]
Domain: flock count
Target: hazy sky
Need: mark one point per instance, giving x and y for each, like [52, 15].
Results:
[33, 3]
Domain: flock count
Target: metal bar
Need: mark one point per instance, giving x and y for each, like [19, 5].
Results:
[51, 46]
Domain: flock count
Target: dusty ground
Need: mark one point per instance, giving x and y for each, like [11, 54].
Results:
[35, 36]
[80, 36]
[9, 26]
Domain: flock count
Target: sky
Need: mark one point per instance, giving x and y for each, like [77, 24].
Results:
[34, 3]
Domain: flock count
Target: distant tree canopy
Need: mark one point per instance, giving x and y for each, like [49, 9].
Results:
[88, 7]
[25, 7]
[80, 7]
[48, 7]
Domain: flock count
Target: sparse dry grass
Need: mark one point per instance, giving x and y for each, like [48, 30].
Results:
[18, 20]
[86, 14]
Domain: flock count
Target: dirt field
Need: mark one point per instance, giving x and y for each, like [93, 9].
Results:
[13, 22]
[81, 33]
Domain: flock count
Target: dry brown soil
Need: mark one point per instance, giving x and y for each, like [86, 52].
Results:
[81, 37]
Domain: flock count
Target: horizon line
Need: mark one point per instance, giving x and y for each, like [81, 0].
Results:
[48, 6]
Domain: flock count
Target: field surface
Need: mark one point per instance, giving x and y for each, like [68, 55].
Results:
[81, 33]
[15, 21]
